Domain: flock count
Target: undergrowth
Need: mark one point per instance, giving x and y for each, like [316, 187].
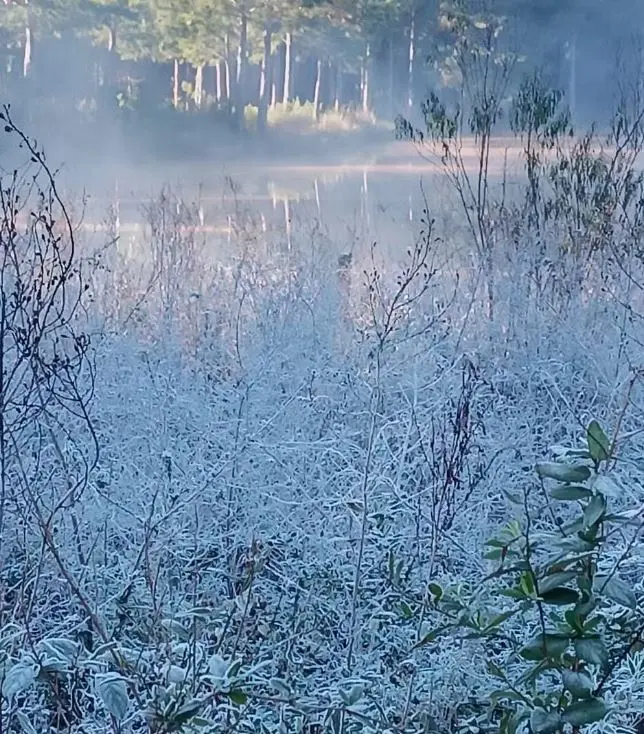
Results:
[250, 490]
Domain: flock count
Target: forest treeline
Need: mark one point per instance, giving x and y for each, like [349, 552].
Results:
[374, 56]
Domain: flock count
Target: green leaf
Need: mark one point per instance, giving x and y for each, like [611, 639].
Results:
[432, 636]
[499, 619]
[545, 722]
[494, 555]
[598, 443]
[579, 683]
[617, 590]
[574, 620]
[436, 591]
[506, 695]
[555, 646]
[526, 582]
[560, 596]
[405, 610]
[511, 721]
[574, 545]
[594, 510]
[569, 493]
[186, 713]
[550, 582]
[563, 472]
[496, 544]
[112, 689]
[355, 694]
[582, 713]
[592, 650]
[59, 648]
[493, 669]
[237, 697]
[19, 678]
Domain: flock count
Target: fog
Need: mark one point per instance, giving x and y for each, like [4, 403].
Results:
[98, 88]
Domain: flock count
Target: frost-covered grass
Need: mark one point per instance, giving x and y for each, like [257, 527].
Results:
[279, 452]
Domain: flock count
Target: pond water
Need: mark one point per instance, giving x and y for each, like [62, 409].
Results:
[375, 195]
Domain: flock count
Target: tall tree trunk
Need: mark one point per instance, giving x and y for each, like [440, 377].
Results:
[365, 79]
[288, 43]
[412, 56]
[175, 85]
[338, 89]
[227, 75]
[316, 91]
[112, 57]
[390, 76]
[264, 81]
[111, 39]
[227, 64]
[242, 58]
[26, 58]
[198, 95]
[218, 92]
[273, 93]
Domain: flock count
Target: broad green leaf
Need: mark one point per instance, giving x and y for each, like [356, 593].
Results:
[18, 678]
[176, 674]
[555, 646]
[237, 697]
[561, 596]
[500, 618]
[592, 650]
[186, 713]
[405, 610]
[112, 689]
[575, 545]
[570, 493]
[598, 443]
[532, 675]
[436, 591]
[494, 544]
[582, 713]
[507, 695]
[526, 583]
[355, 694]
[233, 669]
[550, 582]
[579, 683]
[594, 510]
[432, 635]
[493, 669]
[511, 721]
[574, 620]
[494, 555]
[217, 667]
[545, 722]
[59, 648]
[563, 472]
[617, 590]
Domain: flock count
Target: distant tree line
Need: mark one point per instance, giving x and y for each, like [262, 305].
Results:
[375, 55]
